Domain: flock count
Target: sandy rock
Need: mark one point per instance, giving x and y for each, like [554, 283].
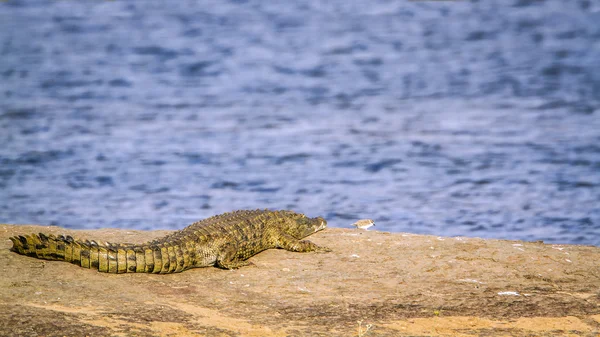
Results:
[392, 284]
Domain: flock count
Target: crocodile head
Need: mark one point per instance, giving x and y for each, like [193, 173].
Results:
[302, 226]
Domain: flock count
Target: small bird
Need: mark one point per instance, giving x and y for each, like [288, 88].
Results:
[364, 224]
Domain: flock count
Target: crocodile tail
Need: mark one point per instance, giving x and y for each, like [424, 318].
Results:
[154, 257]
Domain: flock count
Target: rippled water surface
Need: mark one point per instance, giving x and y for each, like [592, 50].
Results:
[449, 118]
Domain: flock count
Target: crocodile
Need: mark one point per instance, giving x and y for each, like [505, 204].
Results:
[225, 241]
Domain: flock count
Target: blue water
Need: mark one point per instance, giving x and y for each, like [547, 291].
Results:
[466, 118]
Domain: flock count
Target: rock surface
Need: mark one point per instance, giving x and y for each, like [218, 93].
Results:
[395, 284]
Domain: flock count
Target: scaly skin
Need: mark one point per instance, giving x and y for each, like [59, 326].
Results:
[225, 241]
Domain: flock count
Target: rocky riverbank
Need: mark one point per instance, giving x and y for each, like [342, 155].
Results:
[392, 284]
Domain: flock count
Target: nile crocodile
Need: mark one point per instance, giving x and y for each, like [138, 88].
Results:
[225, 241]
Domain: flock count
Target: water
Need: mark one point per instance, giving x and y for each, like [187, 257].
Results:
[445, 118]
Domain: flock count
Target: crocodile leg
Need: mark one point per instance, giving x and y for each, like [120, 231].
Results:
[229, 258]
[288, 242]
[233, 264]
